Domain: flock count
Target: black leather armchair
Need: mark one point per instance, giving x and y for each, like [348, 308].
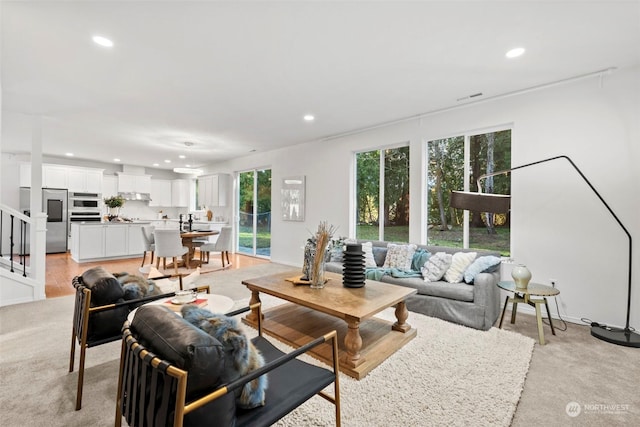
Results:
[171, 374]
[99, 313]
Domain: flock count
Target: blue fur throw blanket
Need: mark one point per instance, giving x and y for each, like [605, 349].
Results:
[244, 355]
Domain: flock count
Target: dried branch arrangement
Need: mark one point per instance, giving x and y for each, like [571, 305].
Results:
[323, 237]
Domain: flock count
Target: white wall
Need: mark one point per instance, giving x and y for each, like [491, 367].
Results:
[559, 228]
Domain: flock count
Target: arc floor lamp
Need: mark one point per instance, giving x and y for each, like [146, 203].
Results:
[498, 203]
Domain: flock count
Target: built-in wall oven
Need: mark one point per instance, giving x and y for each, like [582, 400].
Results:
[84, 207]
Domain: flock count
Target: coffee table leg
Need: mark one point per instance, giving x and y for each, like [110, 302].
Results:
[514, 309]
[401, 314]
[353, 343]
[255, 298]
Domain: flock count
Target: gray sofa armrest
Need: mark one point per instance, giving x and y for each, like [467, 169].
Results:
[487, 294]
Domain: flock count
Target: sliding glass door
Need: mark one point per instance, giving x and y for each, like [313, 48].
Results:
[254, 212]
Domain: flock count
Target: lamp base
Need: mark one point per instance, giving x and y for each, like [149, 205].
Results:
[624, 337]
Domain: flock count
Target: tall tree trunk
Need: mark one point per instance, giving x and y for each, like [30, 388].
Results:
[488, 183]
[438, 188]
[475, 220]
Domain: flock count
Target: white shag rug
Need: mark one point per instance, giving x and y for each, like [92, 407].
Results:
[449, 375]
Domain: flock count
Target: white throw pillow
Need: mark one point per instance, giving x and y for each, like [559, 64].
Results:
[367, 248]
[188, 281]
[165, 285]
[459, 263]
[436, 266]
[399, 256]
[480, 265]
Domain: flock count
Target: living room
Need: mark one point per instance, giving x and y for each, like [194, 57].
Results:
[559, 228]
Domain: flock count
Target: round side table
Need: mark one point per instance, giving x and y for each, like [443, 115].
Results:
[524, 296]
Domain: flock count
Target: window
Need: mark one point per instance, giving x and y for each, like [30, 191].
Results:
[254, 212]
[382, 194]
[447, 163]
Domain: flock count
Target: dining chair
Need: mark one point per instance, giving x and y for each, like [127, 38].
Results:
[168, 244]
[149, 242]
[222, 245]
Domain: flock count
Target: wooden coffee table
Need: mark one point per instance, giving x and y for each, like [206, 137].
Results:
[365, 341]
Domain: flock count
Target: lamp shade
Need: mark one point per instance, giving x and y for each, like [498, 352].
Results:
[480, 202]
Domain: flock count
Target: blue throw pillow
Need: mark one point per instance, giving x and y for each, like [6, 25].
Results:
[420, 257]
[483, 264]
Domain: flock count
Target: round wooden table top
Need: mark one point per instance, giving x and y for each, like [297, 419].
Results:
[198, 233]
[536, 289]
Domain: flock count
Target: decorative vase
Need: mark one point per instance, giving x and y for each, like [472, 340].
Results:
[113, 212]
[317, 275]
[521, 276]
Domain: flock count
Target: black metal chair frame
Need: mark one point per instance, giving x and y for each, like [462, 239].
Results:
[80, 328]
[140, 368]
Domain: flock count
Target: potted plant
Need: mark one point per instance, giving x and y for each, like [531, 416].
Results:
[113, 203]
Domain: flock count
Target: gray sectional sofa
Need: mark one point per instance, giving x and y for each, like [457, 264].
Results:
[475, 305]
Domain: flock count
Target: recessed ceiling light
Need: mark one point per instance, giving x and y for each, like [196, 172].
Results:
[102, 41]
[514, 53]
[167, 161]
[309, 118]
[69, 154]
[182, 156]
[156, 164]
[116, 160]
[188, 166]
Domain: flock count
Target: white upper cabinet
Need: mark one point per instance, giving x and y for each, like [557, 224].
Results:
[160, 193]
[73, 178]
[180, 193]
[54, 176]
[109, 186]
[212, 190]
[85, 180]
[128, 183]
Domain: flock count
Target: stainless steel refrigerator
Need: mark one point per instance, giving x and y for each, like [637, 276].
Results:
[54, 204]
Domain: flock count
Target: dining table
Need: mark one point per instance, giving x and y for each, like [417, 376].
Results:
[189, 239]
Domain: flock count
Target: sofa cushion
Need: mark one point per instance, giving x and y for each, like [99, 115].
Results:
[436, 266]
[453, 291]
[379, 255]
[105, 287]
[167, 335]
[483, 264]
[399, 256]
[459, 263]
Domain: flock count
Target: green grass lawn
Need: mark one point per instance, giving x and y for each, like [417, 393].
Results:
[263, 238]
[478, 237]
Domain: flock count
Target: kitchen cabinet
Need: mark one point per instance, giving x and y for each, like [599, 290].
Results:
[25, 175]
[95, 242]
[135, 245]
[212, 190]
[160, 193]
[128, 183]
[54, 176]
[180, 193]
[109, 186]
[85, 180]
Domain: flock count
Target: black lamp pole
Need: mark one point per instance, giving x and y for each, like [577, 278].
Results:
[626, 337]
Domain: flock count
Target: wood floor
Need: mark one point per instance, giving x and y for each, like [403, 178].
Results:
[61, 269]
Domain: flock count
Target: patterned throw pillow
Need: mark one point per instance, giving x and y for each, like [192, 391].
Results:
[483, 264]
[459, 263]
[399, 256]
[436, 266]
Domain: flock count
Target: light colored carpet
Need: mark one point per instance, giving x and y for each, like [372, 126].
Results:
[448, 375]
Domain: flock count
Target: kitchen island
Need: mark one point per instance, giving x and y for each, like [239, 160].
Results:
[97, 241]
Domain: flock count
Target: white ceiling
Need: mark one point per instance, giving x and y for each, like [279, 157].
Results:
[233, 77]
